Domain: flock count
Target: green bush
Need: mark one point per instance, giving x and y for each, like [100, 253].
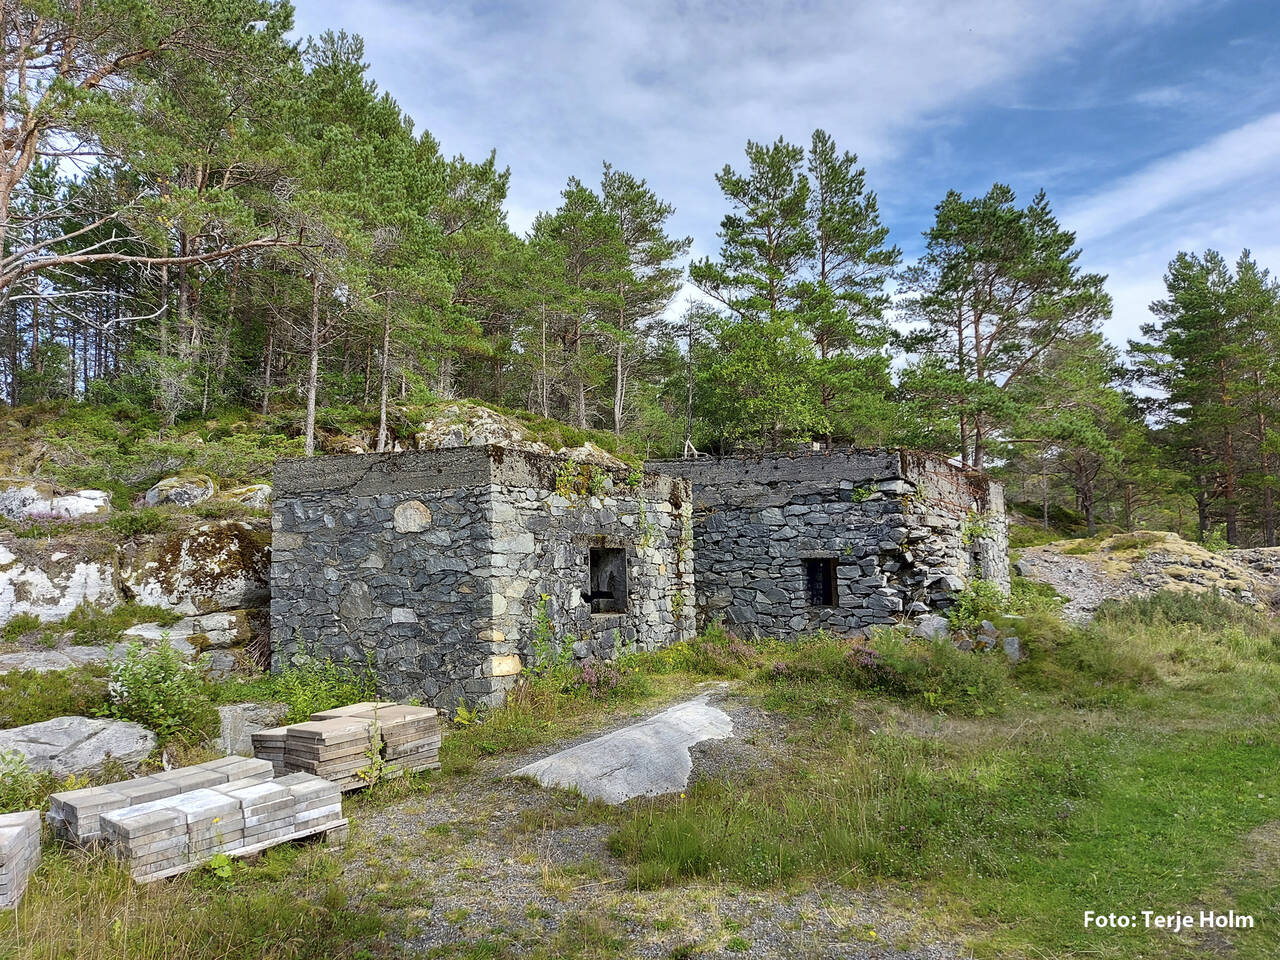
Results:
[21, 788]
[163, 692]
[321, 685]
[31, 696]
[137, 523]
[18, 626]
[979, 600]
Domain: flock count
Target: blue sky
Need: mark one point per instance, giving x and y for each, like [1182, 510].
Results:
[1154, 125]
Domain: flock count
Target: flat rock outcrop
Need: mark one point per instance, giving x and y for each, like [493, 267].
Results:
[1135, 564]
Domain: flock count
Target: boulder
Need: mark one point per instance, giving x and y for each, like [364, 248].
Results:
[1012, 649]
[213, 567]
[464, 425]
[50, 583]
[181, 491]
[255, 495]
[28, 500]
[932, 627]
[239, 721]
[67, 746]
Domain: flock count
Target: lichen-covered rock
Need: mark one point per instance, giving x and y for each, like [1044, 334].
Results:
[49, 583]
[181, 491]
[255, 495]
[67, 746]
[464, 425]
[26, 500]
[215, 566]
[590, 453]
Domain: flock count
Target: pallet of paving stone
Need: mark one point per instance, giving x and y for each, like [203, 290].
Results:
[336, 749]
[19, 854]
[75, 815]
[295, 807]
[410, 736]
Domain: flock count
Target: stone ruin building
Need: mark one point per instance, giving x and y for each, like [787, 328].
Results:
[838, 540]
[441, 567]
[448, 570]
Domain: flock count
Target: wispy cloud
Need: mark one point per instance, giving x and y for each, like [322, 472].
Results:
[1167, 185]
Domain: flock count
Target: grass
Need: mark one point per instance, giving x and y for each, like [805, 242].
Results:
[1131, 765]
[1133, 762]
[30, 696]
[290, 904]
[308, 689]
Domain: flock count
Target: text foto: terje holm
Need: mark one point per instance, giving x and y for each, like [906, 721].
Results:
[1173, 922]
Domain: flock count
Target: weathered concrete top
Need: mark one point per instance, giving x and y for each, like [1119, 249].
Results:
[740, 477]
[373, 474]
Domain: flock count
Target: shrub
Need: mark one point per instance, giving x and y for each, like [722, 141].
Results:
[604, 680]
[161, 691]
[979, 600]
[21, 788]
[18, 626]
[137, 523]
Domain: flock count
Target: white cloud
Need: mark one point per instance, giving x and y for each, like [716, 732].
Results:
[672, 90]
[1243, 154]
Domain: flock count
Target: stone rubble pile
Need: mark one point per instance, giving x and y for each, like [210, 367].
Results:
[19, 854]
[344, 744]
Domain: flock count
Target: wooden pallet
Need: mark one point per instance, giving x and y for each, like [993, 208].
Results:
[334, 829]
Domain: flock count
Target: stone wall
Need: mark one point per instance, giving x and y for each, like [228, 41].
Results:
[434, 565]
[884, 534]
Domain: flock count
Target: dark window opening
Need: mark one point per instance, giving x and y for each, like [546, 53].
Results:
[820, 576]
[608, 580]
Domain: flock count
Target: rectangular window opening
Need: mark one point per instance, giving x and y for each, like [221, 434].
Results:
[608, 580]
[820, 576]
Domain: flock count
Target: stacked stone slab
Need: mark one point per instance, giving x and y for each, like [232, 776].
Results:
[269, 745]
[19, 854]
[317, 802]
[267, 810]
[337, 749]
[75, 815]
[410, 737]
[147, 838]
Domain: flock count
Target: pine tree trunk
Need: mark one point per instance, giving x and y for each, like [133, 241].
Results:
[313, 374]
[619, 390]
[386, 367]
[266, 373]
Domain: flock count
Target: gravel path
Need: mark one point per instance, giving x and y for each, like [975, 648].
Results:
[486, 863]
